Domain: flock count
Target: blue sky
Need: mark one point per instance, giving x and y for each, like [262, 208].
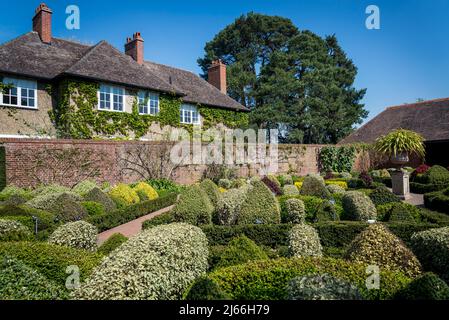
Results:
[407, 59]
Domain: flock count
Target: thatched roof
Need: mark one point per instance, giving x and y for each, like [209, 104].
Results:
[428, 118]
[28, 56]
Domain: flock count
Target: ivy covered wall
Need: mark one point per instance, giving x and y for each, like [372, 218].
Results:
[76, 116]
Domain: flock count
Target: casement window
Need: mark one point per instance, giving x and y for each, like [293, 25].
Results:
[148, 103]
[189, 114]
[111, 98]
[19, 93]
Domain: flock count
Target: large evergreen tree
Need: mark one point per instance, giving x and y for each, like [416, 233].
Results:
[304, 85]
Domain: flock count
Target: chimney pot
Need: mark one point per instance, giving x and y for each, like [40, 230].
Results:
[134, 47]
[42, 22]
[217, 75]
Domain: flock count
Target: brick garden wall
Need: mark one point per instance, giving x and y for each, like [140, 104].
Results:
[30, 162]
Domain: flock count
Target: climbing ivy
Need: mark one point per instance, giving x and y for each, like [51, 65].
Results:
[337, 159]
[77, 115]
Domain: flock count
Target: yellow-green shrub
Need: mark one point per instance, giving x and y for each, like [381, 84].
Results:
[123, 195]
[342, 184]
[147, 190]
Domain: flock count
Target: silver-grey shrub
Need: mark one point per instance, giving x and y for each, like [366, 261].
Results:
[157, 264]
[79, 234]
[304, 241]
[296, 212]
[335, 189]
[358, 206]
[228, 206]
[290, 190]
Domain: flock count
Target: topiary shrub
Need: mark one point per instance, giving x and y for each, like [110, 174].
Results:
[260, 206]
[211, 190]
[164, 261]
[20, 282]
[123, 195]
[436, 175]
[114, 241]
[224, 183]
[193, 207]
[65, 205]
[268, 279]
[290, 190]
[437, 200]
[398, 211]
[335, 189]
[327, 211]
[228, 207]
[79, 234]
[426, 287]
[432, 249]
[238, 183]
[304, 241]
[382, 195]
[145, 191]
[99, 196]
[49, 189]
[358, 207]
[11, 191]
[285, 179]
[376, 245]
[83, 187]
[296, 211]
[205, 289]
[340, 183]
[46, 220]
[93, 208]
[273, 184]
[11, 230]
[321, 287]
[313, 185]
[240, 250]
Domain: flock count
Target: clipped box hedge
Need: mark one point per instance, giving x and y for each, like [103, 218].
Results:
[438, 200]
[421, 188]
[121, 216]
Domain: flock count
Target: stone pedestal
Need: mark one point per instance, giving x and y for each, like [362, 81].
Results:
[400, 181]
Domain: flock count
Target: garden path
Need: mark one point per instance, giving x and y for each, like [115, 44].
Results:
[131, 228]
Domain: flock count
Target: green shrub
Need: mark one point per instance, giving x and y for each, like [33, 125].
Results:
[313, 185]
[379, 246]
[285, 179]
[429, 216]
[238, 183]
[398, 211]
[268, 279]
[437, 175]
[11, 191]
[165, 218]
[312, 205]
[20, 282]
[11, 230]
[49, 189]
[123, 195]
[193, 207]
[164, 261]
[296, 211]
[290, 190]
[84, 187]
[79, 234]
[432, 249]
[335, 189]
[260, 206]
[357, 206]
[46, 220]
[93, 208]
[382, 195]
[327, 212]
[164, 185]
[321, 287]
[224, 183]
[14, 200]
[437, 200]
[304, 241]
[205, 289]
[65, 205]
[422, 188]
[426, 287]
[211, 190]
[102, 198]
[240, 250]
[114, 241]
[145, 191]
[229, 205]
[118, 217]
[51, 260]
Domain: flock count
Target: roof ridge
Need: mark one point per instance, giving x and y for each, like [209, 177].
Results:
[79, 43]
[91, 49]
[171, 67]
[418, 103]
[17, 38]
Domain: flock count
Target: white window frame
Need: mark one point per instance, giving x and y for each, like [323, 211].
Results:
[151, 97]
[111, 95]
[186, 112]
[20, 84]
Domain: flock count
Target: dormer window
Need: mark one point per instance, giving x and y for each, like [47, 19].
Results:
[19, 93]
[111, 98]
[189, 114]
[148, 103]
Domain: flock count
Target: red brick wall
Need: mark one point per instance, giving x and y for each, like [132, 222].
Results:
[20, 166]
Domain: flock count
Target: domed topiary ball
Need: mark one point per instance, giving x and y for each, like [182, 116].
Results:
[376, 245]
[79, 234]
[426, 287]
[296, 211]
[304, 241]
[313, 185]
[358, 207]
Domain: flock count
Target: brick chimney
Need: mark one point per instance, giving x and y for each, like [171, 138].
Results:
[42, 22]
[217, 75]
[134, 47]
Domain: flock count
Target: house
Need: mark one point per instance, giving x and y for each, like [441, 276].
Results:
[428, 118]
[59, 88]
